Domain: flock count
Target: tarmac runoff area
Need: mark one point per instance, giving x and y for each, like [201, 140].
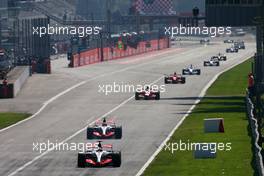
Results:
[72, 101]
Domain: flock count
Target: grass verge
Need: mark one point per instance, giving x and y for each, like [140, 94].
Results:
[7, 119]
[224, 99]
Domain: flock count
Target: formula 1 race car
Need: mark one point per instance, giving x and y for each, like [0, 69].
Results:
[204, 41]
[174, 79]
[219, 57]
[211, 63]
[228, 41]
[232, 50]
[99, 156]
[239, 45]
[104, 130]
[147, 94]
[191, 71]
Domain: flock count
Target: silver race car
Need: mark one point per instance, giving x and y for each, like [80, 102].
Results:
[99, 156]
[104, 130]
[211, 63]
[219, 57]
[191, 71]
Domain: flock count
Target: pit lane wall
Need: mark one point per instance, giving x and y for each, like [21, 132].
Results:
[15, 81]
[95, 56]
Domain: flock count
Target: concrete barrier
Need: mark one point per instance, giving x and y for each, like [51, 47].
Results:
[94, 55]
[16, 79]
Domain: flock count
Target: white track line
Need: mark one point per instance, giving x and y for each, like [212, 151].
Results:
[141, 171]
[45, 104]
[75, 134]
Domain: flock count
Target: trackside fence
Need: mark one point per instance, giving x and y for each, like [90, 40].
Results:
[255, 136]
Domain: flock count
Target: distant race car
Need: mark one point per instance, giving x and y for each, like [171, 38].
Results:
[191, 71]
[99, 156]
[204, 41]
[147, 94]
[104, 130]
[228, 41]
[211, 63]
[219, 57]
[174, 79]
[232, 50]
[240, 45]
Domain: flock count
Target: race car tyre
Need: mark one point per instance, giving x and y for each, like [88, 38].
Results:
[157, 96]
[118, 132]
[217, 64]
[184, 72]
[183, 80]
[198, 72]
[90, 133]
[205, 64]
[116, 159]
[81, 160]
[136, 96]
[166, 80]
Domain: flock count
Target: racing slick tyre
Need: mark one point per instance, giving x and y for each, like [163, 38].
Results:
[118, 132]
[136, 96]
[198, 72]
[183, 80]
[205, 64]
[184, 72]
[90, 133]
[81, 160]
[116, 159]
[166, 80]
[157, 96]
[217, 64]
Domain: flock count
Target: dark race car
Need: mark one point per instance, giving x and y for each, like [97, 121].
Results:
[191, 71]
[147, 94]
[204, 41]
[104, 130]
[174, 79]
[240, 45]
[228, 41]
[211, 63]
[219, 57]
[99, 156]
[232, 50]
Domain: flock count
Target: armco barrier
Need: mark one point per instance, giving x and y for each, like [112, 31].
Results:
[16, 79]
[94, 55]
[255, 135]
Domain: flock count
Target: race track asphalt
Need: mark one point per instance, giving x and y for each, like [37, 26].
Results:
[145, 123]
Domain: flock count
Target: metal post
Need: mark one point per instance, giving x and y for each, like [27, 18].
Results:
[0, 31]
[137, 22]
[101, 47]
